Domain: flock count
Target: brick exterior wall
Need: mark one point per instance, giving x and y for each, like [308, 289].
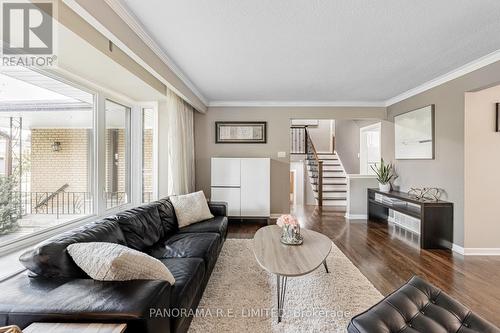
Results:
[110, 159]
[148, 160]
[49, 169]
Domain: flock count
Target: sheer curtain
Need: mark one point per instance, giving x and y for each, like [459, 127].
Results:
[180, 145]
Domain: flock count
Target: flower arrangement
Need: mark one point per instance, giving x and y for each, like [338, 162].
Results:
[290, 230]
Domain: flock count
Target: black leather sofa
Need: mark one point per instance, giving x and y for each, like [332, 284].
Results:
[416, 307]
[54, 289]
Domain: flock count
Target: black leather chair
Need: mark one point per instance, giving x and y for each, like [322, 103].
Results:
[55, 289]
[418, 306]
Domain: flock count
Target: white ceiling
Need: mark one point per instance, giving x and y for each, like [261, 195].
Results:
[318, 50]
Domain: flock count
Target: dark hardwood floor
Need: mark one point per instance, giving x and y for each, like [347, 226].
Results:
[388, 257]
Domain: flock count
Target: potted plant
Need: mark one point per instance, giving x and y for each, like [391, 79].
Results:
[385, 174]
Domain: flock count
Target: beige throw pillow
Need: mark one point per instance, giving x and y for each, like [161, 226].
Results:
[115, 262]
[191, 208]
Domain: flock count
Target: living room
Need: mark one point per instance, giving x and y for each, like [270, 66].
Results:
[283, 166]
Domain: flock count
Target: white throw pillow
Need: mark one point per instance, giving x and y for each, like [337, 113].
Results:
[115, 262]
[191, 208]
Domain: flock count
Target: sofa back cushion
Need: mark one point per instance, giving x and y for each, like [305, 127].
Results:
[50, 258]
[167, 217]
[141, 226]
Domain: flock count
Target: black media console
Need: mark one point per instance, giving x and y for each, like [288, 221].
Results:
[436, 217]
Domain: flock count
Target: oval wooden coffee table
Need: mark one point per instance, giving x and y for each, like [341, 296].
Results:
[289, 260]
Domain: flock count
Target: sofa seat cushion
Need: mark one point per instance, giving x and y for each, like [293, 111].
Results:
[141, 226]
[191, 245]
[50, 258]
[189, 275]
[419, 307]
[24, 300]
[218, 224]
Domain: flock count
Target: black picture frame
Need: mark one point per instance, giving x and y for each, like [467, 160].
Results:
[497, 118]
[220, 124]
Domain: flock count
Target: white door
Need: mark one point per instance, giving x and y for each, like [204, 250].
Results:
[255, 187]
[369, 149]
[225, 172]
[231, 195]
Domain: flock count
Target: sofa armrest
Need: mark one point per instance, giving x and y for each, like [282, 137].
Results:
[218, 208]
[136, 303]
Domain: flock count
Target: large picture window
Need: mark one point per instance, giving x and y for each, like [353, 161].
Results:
[117, 154]
[46, 153]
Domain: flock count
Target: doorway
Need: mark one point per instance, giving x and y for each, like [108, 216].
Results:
[369, 149]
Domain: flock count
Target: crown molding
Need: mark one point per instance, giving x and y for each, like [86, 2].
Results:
[295, 104]
[83, 13]
[456, 73]
[133, 22]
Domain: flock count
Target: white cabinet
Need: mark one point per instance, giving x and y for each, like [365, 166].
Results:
[231, 195]
[255, 187]
[226, 172]
[244, 183]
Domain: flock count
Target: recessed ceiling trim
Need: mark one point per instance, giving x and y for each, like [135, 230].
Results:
[131, 20]
[295, 104]
[461, 71]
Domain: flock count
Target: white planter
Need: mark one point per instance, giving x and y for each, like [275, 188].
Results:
[384, 187]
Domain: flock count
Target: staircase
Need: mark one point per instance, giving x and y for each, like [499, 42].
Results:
[334, 182]
[325, 170]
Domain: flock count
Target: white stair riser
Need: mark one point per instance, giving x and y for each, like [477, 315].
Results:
[327, 174]
[342, 203]
[327, 156]
[334, 181]
[334, 194]
[333, 174]
[327, 167]
[329, 187]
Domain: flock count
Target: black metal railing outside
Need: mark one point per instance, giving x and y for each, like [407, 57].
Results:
[56, 203]
[69, 203]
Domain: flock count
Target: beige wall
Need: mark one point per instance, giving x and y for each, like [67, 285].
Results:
[278, 124]
[50, 170]
[347, 144]
[321, 135]
[482, 170]
[447, 169]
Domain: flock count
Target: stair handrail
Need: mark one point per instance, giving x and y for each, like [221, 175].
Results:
[50, 196]
[320, 167]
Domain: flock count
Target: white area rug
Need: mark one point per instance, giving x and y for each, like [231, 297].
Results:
[241, 296]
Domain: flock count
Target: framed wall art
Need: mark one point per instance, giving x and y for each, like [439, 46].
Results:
[414, 134]
[240, 132]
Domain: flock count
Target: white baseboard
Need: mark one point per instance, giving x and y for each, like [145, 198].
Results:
[356, 216]
[458, 249]
[476, 251]
[482, 251]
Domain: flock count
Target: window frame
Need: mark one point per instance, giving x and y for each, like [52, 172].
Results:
[128, 155]
[154, 177]
[97, 172]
